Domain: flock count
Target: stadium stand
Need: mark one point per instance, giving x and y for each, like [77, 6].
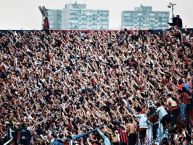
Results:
[94, 87]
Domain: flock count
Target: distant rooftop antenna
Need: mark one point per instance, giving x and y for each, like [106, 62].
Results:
[44, 13]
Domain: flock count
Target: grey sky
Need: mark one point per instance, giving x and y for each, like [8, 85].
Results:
[24, 14]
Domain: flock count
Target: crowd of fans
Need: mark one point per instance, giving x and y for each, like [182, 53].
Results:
[96, 87]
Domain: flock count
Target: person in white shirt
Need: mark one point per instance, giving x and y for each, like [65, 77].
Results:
[163, 115]
[143, 125]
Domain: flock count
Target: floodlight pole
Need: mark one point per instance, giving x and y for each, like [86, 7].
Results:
[173, 10]
[171, 5]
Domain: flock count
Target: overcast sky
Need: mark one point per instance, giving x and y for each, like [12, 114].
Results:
[24, 14]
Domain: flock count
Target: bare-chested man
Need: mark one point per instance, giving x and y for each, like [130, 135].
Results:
[132, 131]
[173, 108]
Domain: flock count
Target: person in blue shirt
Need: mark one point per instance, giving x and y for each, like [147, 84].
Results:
[105, 138]
[57, 142]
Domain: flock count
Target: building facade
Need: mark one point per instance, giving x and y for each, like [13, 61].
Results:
[76, 16]
[144, 18]
[55, 17]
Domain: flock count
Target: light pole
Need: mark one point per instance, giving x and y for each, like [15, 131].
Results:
[171, 5]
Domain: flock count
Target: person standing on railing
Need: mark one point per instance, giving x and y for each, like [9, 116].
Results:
[177, 21]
